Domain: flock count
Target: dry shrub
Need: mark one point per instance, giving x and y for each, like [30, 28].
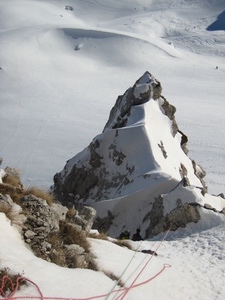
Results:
[12, 180]
[9, 281]
[55, 240]
[58, 258]
[70, 234]
[57, 251]
[114, 278]
[71, 213]
[93, 265]
[17, 192]
[67, 235]
[39, 193]
[123, 243]
[100, 236]
[14, 192]
[12, 186]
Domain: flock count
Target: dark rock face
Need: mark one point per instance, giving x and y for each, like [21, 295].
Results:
[183, 214]
[155, 216]
[170, 111]
[103, 224]
[136, 95]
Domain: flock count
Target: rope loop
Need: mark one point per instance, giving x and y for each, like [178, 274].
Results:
[4, 279]
[167, 266]
[123, 291]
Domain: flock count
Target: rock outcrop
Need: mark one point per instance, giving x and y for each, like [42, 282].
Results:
[54, 232]
[56, 236]
[140, 156]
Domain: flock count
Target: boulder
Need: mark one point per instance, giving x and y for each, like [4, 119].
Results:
[40, 219]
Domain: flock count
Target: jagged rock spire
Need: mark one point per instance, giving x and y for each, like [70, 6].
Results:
[145, 88]
[140, 155]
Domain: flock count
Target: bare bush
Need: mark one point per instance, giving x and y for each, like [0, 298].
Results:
[100, 236]
[8, 282]
[123, 243]
[39, 193]
[70, 234]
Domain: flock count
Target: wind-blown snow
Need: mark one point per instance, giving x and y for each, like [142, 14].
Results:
[61, 72]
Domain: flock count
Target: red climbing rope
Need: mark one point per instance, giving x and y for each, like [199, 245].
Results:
[121, 297]
[15, 288]
[123, 291]
[142, 283]
[4, 279]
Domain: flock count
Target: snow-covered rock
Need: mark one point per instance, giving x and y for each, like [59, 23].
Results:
[140, 156]
[2, 175]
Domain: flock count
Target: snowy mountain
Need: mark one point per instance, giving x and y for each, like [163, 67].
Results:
[136, 173]
[62, 65]
[62, 70]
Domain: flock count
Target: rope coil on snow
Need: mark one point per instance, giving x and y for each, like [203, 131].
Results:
[16, 288]
[123, 291]
[5, 278]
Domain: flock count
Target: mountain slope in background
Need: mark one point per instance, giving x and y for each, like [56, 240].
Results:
[62, 70]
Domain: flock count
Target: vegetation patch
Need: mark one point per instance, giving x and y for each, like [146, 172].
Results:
[70, 234]
[65, 245]
[8, 282]
[39, 193]
[100, 236]
[114, 278]
[123, 243]
[14, 188]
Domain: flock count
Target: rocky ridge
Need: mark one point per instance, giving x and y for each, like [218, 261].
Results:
[53, 232]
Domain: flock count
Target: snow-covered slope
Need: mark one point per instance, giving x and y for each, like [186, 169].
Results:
[190, 262]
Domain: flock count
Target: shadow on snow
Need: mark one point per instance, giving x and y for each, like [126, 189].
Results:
[219, 24]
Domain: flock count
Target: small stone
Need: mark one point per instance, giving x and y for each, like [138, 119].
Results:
[29, 234]
[207, 206]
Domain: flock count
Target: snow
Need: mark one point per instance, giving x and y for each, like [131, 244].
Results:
[194, 258]
[56, 92]
[61, 72]
[2, 174]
